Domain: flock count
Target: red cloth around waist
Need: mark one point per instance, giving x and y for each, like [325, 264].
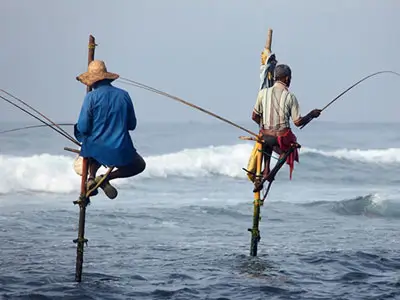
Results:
[285, 141]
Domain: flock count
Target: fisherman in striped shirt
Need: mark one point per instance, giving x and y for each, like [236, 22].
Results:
[274, 108]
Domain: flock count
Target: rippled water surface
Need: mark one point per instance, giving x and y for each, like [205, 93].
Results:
[179, 230]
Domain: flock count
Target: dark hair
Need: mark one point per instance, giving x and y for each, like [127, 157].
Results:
[281, 71]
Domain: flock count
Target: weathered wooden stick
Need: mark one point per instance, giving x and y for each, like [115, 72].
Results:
[268, 43]
[267, 48]
[72, 150]
[83, 199]
[245, 138]
[92, 46]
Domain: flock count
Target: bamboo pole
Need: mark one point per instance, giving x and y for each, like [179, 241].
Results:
[83, 199]
[255, 232]
[268, 44]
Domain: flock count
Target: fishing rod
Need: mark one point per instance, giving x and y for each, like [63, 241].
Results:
[38, 112]
[352, 86]
[151, 89]
[34, 126]
[66, 135]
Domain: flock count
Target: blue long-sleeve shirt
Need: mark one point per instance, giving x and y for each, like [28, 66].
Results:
[106, 116]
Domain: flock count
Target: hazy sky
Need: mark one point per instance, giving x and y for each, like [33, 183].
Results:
[205, 51]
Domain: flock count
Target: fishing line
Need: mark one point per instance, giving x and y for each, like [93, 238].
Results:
[151, 89]
[44, 122]
[352, 86]
[154, 90]
[38, 112]
[34, 126]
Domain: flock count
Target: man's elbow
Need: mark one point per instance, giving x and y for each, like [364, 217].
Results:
[255, 117]
[298, 122]
[82, 128]
[132, 125]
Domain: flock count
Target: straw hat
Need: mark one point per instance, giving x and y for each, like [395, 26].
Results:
[96, 71]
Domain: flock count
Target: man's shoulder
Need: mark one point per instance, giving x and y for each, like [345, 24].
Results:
[291, 95]
[263, 92]
[115, 91]
[119, 90]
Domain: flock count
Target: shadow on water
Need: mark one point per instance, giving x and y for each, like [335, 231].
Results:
[255, 267]
[267, 276]
[94, 285]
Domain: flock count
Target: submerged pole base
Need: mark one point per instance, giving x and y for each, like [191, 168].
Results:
[255, 231]
[81, 240]
[255, 239]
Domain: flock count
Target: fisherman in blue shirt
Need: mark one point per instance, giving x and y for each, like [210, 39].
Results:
[107, 115]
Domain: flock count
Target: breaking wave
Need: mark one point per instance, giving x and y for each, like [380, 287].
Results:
[52, 173]
[371, 205]
[384, 156]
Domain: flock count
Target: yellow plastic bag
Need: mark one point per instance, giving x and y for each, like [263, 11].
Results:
[252, 164]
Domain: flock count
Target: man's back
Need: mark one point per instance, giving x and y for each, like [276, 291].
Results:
[277, 105]
[107, 116]
[113, 114]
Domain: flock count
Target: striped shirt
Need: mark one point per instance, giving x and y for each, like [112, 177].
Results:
[276, 105]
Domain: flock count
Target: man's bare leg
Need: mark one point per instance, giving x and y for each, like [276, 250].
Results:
[94, 166]
[267, 162]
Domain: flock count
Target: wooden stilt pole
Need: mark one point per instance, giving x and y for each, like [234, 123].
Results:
[255, 232]
[83, 199]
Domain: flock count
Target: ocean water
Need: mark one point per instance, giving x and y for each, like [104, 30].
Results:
[179, 230]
